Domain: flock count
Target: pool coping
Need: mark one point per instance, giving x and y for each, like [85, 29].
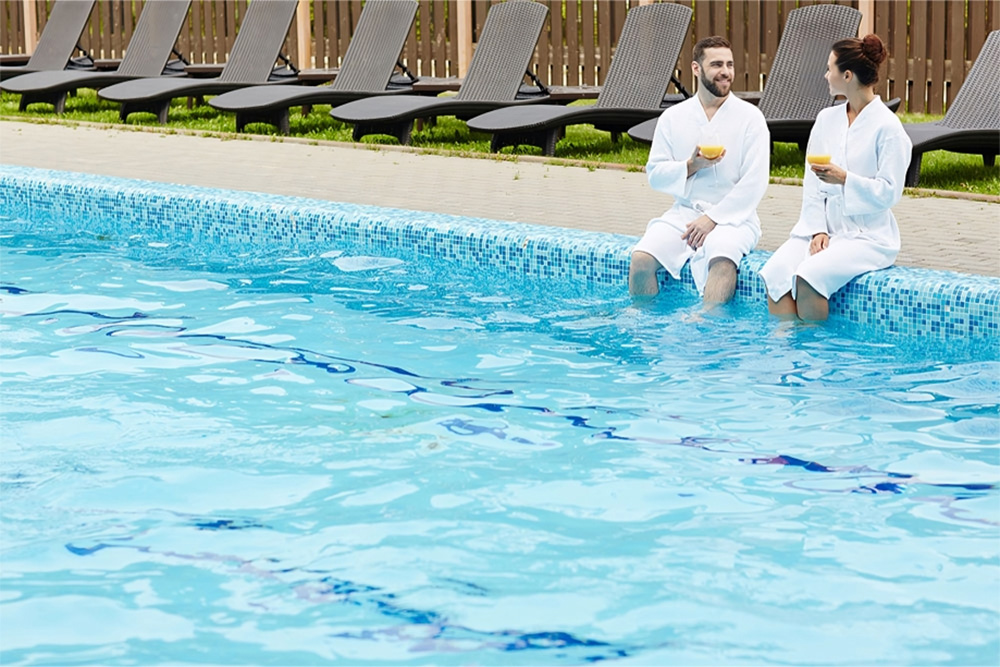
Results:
[899, 301]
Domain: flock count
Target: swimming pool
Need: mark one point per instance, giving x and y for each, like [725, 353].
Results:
[303, 451]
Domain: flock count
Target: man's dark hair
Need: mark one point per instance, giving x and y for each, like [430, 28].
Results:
[713, 42]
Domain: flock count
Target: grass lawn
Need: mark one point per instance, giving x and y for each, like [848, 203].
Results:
[941, 170]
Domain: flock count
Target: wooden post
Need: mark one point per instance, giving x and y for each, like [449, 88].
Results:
[30, 26]
[303, 35]
[867, 9]
[463, 18]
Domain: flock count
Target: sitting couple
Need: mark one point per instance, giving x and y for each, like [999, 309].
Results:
[712, 153]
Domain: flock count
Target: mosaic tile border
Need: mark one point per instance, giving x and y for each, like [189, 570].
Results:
[897, 301]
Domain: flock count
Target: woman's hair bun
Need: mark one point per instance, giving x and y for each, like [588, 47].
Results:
[874, 49]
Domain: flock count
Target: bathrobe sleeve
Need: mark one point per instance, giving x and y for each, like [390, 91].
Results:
[812, 215]
[864, 195]
[666, 167]
[740, 204]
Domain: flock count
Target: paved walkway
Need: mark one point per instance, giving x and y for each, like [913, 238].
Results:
[950, 234]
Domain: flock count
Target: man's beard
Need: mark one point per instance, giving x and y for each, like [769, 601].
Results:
[711, 87]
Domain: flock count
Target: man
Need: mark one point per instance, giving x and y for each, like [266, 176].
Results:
[713, 222]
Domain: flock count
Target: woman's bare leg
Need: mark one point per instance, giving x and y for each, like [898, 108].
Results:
[812, 306]
[784, 308]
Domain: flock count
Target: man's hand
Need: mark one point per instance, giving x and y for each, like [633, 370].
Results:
[697, 161]
[697, 230]
[819, 243]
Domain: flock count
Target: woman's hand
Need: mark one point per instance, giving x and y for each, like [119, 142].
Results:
[829, 173]
[819, 243]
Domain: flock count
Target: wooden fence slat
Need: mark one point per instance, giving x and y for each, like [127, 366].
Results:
[771, 28]
[702, 20]
[956, 48]
[480, 8]
[103, 49]
[439, 42]
[117, 26]
[619, 11]
[343, 30]
[978, 21]
[543, 54]
[737, 37]
[451, 54]
[410, 49]
[558, 58]
[572, 43]
[587, 34]
[935, 99]
[425, 38]
[14, 38]
[319, 34]
[897, 45]
[719, 18]
[605, 25]
[753, 44]
[918, 43]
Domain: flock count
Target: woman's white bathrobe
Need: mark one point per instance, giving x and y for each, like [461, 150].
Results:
[874, 150]
[727, 192]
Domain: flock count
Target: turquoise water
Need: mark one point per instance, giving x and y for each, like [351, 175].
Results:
[312, 456]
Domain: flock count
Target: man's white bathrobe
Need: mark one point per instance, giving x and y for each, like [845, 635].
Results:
[874, 150]
[727, 192]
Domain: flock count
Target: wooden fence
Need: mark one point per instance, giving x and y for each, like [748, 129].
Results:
[932, 42]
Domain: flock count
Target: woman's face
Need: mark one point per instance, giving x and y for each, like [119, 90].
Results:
[837, 79]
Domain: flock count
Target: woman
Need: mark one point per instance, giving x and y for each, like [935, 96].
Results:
[845, 227]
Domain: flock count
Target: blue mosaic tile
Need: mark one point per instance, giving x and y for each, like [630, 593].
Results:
[897, 301]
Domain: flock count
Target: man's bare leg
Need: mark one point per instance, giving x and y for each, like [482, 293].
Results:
[812, 306]
[721, 282]
[784, 308]
[642, 279]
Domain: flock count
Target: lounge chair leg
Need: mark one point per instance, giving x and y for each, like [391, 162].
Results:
[615, 136]
[403, 131]
[989, 159]
[56, 99]
[162, 109]
[552, 138]
[284, 122]
[913, 171]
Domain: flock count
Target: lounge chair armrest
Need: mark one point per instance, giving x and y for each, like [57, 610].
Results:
[204, 70]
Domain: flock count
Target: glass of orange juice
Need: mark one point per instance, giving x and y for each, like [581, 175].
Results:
[818, 153]
[710, 145]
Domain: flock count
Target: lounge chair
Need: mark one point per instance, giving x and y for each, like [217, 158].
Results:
[972, 123]
[59, 38]
[795, 90]
[250, 63]
[637, 79]
[147, 54]
[505, 48]
[367, 70]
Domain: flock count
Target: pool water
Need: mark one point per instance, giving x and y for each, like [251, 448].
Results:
[310, 455]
